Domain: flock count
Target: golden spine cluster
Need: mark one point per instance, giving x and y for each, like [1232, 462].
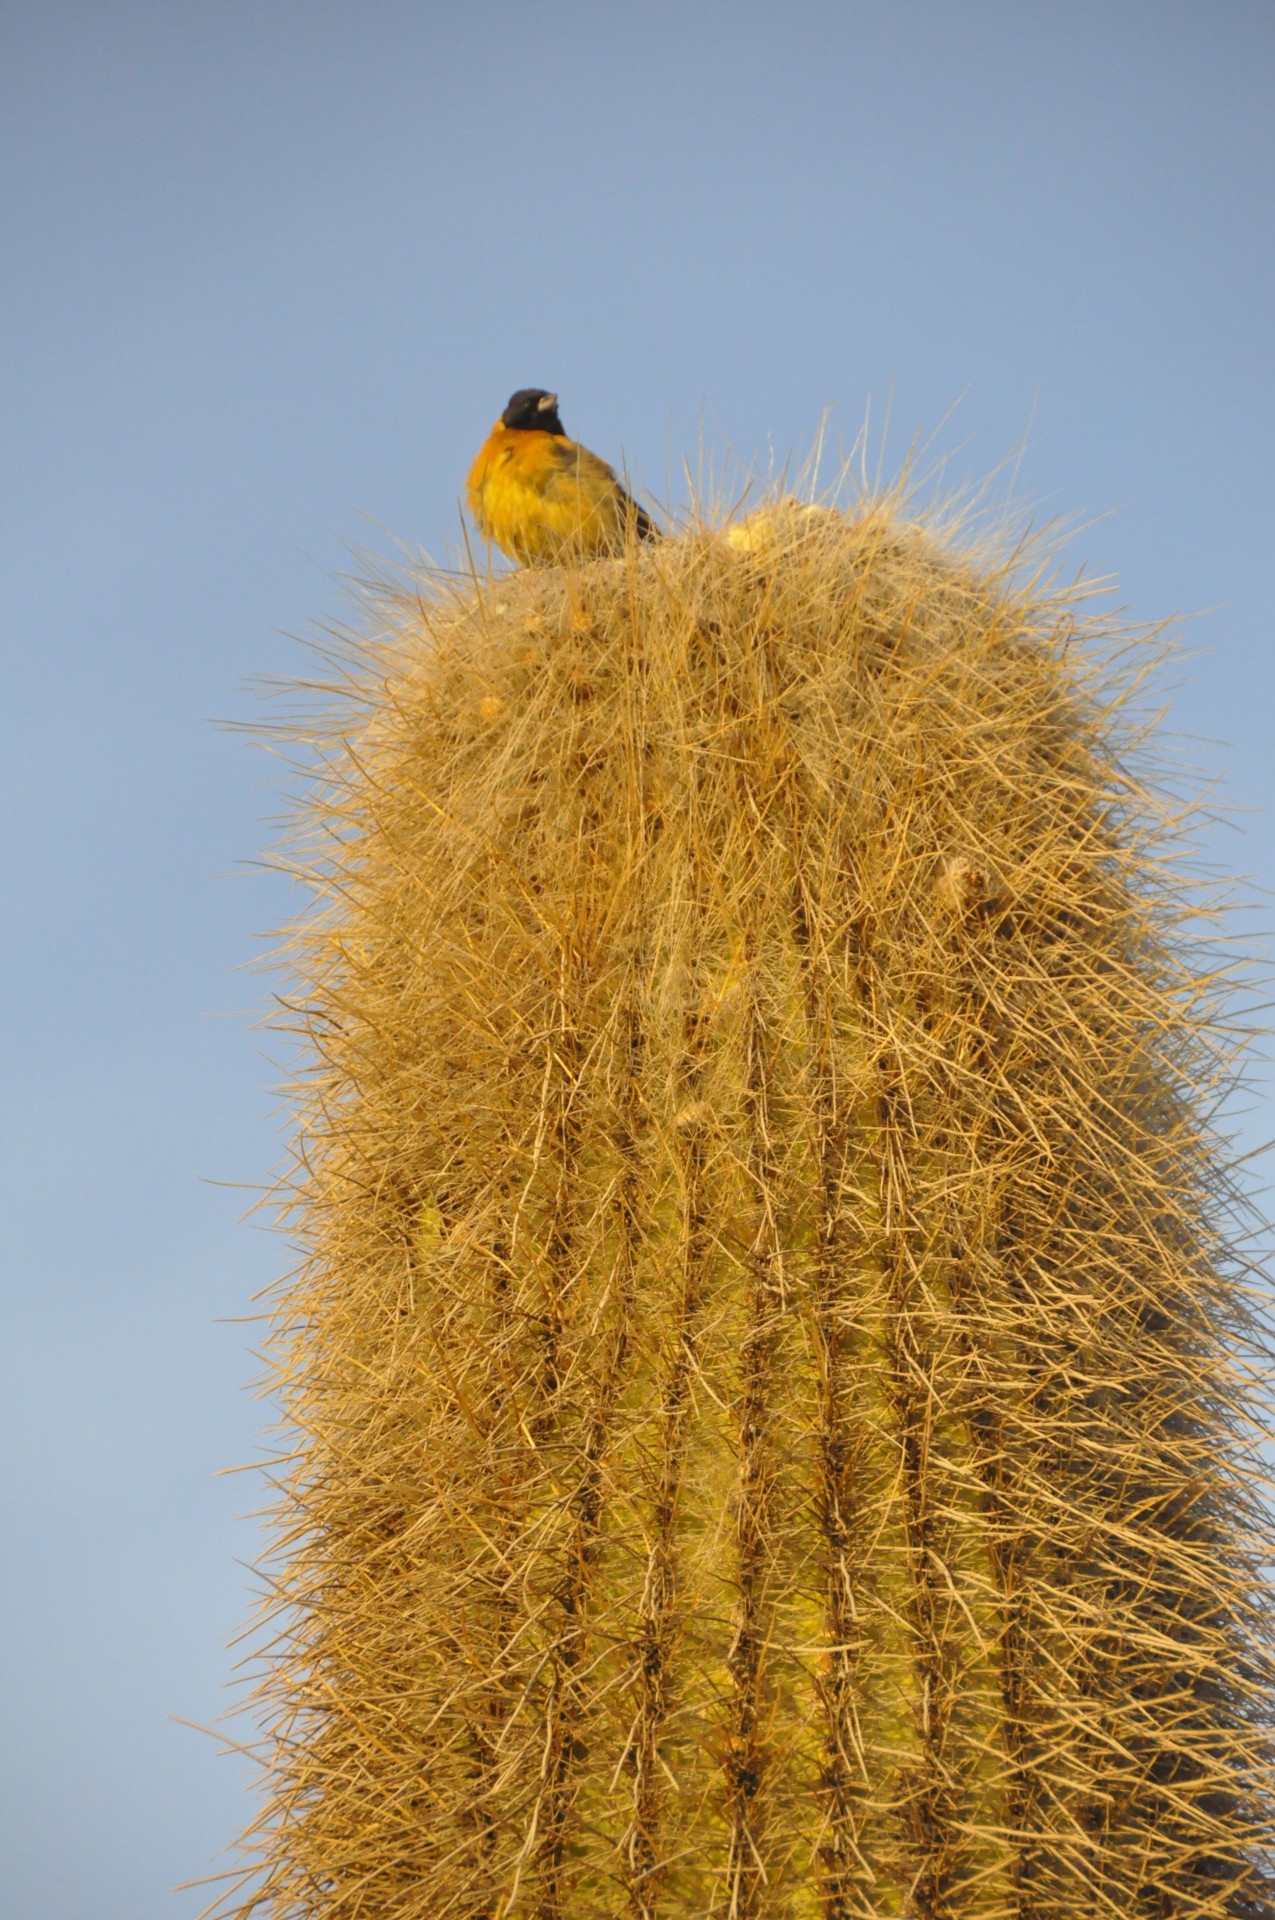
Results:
[771, 1380]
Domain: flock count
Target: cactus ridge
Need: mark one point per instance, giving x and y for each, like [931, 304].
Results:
[771, 1384]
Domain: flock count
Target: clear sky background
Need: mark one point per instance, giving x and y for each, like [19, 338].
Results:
[270, 271]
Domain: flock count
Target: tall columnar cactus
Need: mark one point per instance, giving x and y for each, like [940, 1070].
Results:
[768, 1382]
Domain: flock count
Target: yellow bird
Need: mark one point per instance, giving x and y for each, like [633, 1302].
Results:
[542, 497]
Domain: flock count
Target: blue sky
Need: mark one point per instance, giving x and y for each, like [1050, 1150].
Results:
[271, 270]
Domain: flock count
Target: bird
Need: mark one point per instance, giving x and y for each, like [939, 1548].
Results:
[542, 497]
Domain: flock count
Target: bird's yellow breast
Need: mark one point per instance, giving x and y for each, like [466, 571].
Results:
[540, 496]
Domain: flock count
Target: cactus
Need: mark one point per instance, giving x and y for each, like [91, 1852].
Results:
[771, 1380]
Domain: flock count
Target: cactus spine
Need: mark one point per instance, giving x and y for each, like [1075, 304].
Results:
[768, 1380]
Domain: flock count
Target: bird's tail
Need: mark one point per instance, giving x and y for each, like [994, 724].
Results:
[641, 521]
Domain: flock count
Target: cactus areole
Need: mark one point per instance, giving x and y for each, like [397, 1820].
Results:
[770, 1383]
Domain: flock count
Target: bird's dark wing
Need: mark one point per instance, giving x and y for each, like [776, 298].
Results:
[595, 480]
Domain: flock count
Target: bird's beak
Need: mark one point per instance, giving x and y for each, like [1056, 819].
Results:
[549, 401]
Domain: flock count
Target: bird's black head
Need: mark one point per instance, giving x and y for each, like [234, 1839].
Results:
[532, 407]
